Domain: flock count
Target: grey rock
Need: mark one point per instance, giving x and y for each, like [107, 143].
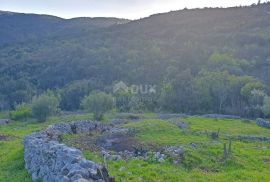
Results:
[4, 121]
[47, 159]
[159, 157]
[253, 138]
[221, 116]
[262, 123]
[174, 151]
[171, 116]
[182, 125]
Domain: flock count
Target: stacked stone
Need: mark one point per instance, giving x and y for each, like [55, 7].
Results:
[263, 123]
[48, 160]
[221, 116]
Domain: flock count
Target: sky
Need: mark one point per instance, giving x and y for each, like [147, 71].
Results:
[129, 9]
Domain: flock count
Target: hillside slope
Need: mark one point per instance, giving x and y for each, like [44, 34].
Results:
[150, 50]
[20, 27]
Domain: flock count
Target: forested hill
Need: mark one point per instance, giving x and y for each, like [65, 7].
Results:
[179, 51]
[20, 27]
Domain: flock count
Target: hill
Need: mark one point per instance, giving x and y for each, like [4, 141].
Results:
[181, 48]
[20, 27]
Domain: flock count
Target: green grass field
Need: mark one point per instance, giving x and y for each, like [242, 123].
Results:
[250, 160]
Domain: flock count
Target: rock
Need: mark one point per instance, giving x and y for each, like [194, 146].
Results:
[174, 151]
[262, 123]
[221, 116]
[182, 125]
[118, 121]
[110, 157]
[159, 157]
[193, 145]
[80, 127]
[4, 137]
[83, 180]
[4, 121]
[47, 159]
[170, 116]
[128, 116]
[253, 138]
[122, 168]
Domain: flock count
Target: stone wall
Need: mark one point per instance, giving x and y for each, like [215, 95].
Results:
[263, 123]
[221, 116]
[48, 160]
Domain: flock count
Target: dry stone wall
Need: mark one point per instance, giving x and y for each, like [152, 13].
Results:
[48, 160]
[263, 123]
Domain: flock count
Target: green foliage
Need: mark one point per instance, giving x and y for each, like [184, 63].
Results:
[72, 94]
[98, 103]
[266, 106]
[177, 93]
[44, 106]
[173, 58]
[22, 112]
[122, 101]
[14, 92]
[222, 92]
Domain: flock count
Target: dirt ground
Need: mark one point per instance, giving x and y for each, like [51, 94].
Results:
[96, 141]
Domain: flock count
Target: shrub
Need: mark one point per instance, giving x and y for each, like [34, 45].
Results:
[44, 106]
[98, 103]
[21, 112]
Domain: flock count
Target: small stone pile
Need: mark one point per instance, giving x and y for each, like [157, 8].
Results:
[262, 123]
[49, 161]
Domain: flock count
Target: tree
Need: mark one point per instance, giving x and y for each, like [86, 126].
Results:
[215, 87]
[254, 93]
[122, 100]
[44, 106]
[72, 94]
[266, 106]
[177, 94]
[98, 103]
[22, 112]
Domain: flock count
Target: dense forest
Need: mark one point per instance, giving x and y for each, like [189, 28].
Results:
[211, 60]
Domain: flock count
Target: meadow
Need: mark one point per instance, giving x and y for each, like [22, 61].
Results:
[203, 161]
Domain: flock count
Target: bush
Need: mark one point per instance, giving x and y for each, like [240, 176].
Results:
[98, 103]
[22, 112]
[44, 106]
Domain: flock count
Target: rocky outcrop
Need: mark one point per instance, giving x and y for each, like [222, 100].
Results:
[262, 123]
[48, 160]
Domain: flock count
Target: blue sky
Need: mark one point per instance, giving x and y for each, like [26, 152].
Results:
[131, 9]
